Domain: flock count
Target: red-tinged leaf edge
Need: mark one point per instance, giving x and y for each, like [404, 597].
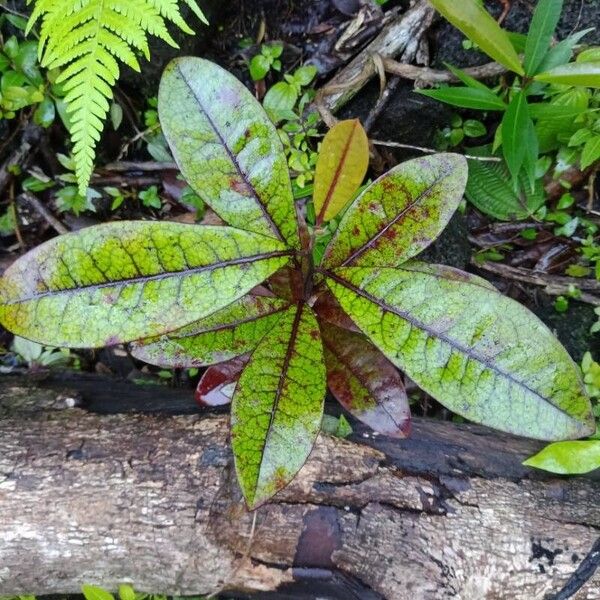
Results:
[217, 384]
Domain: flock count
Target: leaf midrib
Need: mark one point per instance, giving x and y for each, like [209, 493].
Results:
[354, 371]
[232, 324]
[422, 196]
[234, 160]
[469, 352]
[147, 278]
[336, 176]
[280, 385]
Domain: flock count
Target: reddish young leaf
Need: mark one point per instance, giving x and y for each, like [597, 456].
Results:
[329, 310]
[364, 382]
[277, 407]
[217, 384]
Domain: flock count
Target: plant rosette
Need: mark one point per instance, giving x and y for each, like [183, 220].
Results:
[251, 291]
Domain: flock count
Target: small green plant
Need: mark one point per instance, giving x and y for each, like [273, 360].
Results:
[267, 60]
[86, 40]
[190, 295]
[281, 99]
[36, 356]
[546, 98]
[125, 592]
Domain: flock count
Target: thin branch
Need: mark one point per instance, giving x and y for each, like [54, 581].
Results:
[431, 76]
[554, 285]
[432, 150]
[34, 201]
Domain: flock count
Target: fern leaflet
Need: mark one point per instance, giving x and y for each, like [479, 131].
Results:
[87, 39]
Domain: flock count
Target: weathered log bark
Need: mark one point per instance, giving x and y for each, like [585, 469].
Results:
[152, 499]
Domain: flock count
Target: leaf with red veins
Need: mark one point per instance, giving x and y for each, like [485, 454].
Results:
[217, 384]
[341, 167]
[400, 213]
[229, 332]
[278, 406]
[227, 148]
[365, 383]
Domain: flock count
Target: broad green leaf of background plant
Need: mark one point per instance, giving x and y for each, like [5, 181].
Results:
[568, 458]
[490, 190]
[364, 382]
[400, 213]
[227, 148]
[514, 124]
[118, 282]
[542, 26]
[341, 166]
[591, 152]
[229, 332]
[476, 23]
[585, 73]
[558, 119]
[278, 405]
[480, 354]
[466, 97]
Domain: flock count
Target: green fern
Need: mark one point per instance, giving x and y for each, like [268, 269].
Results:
[87, 39]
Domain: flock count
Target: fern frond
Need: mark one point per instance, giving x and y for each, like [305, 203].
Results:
[88, 39]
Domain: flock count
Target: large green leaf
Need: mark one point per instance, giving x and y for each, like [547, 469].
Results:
[586, 74]
[365, 382]
[278, 405]
[119, 282]
[341, 167]
[400, 213]
[476, 23]
[481, 354]
[229, 332]
[227, 148]
[544, 22]
[568, 458]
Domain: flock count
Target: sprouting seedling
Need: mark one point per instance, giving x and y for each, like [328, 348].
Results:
[191, 295]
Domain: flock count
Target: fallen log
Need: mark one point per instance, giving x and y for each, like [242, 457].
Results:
[151, 499]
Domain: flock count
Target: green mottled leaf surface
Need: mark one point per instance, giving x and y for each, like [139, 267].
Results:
[400, 213]
[364, 382]
[278, 405]
[227, 148]
[229, 332]
[568, 458]
[480, 354]
[118, 282]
